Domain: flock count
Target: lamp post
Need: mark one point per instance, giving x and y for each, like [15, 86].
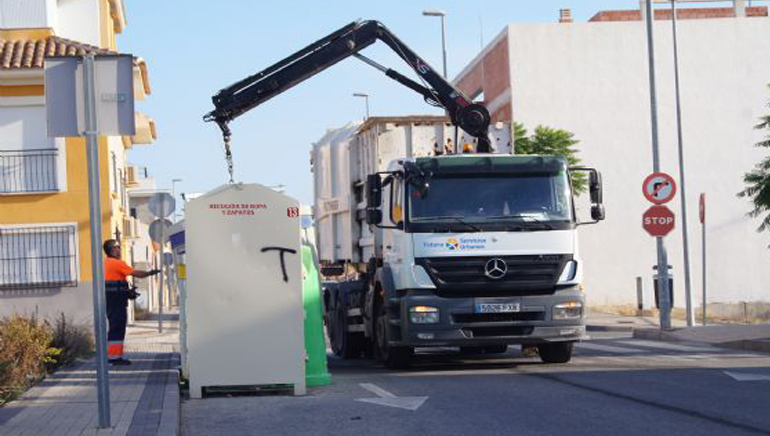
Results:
[173, 194]
[366, 99]
[442, 14]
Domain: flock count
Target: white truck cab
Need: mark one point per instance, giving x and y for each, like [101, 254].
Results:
[478, 251]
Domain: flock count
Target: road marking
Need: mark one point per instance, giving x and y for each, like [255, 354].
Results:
[385, 398]
[666, 346]
[376, 390]
[607, 348]
[742, 376]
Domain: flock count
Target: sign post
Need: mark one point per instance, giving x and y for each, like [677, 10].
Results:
[72, 85]
[702, 216]
[161, 205]
[658, 221]
[97, 266]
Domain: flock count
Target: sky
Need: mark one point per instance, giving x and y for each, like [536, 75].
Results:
[194, 48]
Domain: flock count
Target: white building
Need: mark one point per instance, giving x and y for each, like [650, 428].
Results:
[592, 79]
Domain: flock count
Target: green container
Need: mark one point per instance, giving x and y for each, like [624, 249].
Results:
[316, 369]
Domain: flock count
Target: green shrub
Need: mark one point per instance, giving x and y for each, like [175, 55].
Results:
[25, 348]
[29, 349]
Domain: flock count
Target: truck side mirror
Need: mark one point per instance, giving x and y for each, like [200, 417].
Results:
[597, 212]
[373, 192]
[595, 187]
[373, 216]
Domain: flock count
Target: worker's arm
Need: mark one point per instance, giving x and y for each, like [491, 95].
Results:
[143, 274]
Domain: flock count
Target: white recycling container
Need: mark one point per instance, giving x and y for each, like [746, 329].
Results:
[244, 313]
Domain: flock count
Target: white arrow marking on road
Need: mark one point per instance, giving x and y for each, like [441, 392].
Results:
[742, 376]
[388, 399]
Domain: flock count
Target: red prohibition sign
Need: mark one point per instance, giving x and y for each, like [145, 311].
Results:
[659, 188]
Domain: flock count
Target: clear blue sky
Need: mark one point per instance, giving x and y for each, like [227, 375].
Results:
[196, 47]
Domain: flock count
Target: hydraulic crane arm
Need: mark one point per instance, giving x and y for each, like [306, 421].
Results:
[240, 97]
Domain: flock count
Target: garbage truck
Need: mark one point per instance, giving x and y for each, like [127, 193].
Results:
[457, 242]
[426, 246]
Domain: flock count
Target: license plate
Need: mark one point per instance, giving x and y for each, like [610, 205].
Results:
[497, 308]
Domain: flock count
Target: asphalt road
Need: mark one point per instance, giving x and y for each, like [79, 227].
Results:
[615, 385]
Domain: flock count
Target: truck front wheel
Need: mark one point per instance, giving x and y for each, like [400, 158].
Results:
[393, 357]
[556, 352]
[345, 344]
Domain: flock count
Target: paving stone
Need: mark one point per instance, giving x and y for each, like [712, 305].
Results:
[142, 394]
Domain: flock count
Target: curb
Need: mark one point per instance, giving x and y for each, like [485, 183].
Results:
[749, 345]
[170, 416]
[654, 334]
[762, 345]
[609, 328]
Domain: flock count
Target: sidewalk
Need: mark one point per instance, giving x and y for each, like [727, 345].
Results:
[144, 395]
[753, 337]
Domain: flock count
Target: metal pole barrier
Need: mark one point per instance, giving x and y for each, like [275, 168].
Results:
[639, 297]
[97, 266]
[160, 265]
[665, 303]
[703, 261]
[685, 234]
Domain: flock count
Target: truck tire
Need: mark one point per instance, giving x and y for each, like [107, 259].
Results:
[556, 352]
[344, 343]
[489, 349]
[392, 357]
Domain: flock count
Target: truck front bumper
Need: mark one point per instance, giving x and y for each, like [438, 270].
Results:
[460, 325]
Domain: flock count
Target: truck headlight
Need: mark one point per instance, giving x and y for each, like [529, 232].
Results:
[423, 315]
[569, 310]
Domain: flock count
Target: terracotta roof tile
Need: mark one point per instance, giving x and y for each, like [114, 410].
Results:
[17, 54]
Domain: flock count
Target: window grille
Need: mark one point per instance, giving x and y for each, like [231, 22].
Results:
[28, 171]
[38, 257]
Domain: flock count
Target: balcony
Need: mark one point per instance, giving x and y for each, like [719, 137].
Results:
[28, 171]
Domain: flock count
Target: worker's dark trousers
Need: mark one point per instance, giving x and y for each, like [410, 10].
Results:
[117, 316]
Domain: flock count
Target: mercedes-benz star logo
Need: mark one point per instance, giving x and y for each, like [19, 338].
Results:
[495, 268]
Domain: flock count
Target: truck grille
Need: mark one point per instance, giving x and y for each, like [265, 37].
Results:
[465, 276]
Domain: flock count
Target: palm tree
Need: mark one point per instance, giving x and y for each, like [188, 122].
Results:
[758, 180]
[548, 141]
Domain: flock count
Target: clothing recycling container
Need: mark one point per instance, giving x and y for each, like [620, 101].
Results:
[244, 313]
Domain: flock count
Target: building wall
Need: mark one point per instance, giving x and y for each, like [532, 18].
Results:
[76, 20]
[489, 75]
[27, 13]
[592, 79]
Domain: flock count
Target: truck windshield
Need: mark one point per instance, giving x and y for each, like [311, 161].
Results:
[529, 198]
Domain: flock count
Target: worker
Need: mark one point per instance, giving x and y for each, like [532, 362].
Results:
[117, 295]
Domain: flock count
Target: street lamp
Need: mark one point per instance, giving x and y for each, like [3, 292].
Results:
[173, 194]
[366, 98]
[442, 14]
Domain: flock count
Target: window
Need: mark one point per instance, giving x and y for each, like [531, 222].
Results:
[114, 172]
[38, 256]
[524, 197]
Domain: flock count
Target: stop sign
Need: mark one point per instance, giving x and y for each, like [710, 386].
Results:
[658, 221]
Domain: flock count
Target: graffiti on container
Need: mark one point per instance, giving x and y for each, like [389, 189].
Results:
[281, 252]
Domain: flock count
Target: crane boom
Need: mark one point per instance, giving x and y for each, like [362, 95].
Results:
[246, 94]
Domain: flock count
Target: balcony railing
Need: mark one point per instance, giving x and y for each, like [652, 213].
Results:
[28, 171]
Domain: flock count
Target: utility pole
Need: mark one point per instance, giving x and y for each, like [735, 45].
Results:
[685, 235]
[665, 302]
